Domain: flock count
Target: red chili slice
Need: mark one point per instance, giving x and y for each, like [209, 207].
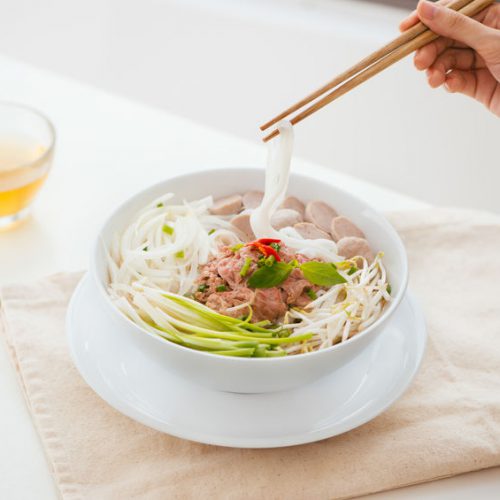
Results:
[273, 252]
[263, 246]
[268, 241]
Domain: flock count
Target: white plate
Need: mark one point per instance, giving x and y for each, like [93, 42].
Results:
[148, 393]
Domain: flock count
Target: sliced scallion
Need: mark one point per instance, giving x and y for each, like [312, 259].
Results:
[246, 267]
[168, 229]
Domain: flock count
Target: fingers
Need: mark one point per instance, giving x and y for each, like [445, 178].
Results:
[452, 59]
[425, 57]
[466, 56]
[446, 22]
[464, 59]
[408, 22]
[479, 84]
[463, 82]
[435, 78]
[485, 15]
[413, 18]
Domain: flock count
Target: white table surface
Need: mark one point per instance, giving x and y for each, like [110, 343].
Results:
[108, 148]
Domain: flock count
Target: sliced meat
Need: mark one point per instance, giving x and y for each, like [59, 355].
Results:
[294, 204]
[294, 286]
[251, 252]
[242, 222]
[268, 304]
[209, 280]
[229, 270]
[342, 227]
[303, 300]
[223, 302]
[352, 246]
[320, 214]
[252, 199]
[285, 217]
[288, 255]
[310, 231]
[227, 206]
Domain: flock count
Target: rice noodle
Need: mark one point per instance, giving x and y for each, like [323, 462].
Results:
[148, 254]
[277, 176]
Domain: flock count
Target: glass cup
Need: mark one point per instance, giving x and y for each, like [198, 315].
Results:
[27, 140]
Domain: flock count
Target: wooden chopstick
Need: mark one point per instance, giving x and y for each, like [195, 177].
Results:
[408, 35]
[373, 64]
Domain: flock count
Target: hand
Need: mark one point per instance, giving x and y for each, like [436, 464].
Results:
[466, 59]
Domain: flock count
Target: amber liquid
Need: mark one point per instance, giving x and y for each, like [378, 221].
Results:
[23, 170]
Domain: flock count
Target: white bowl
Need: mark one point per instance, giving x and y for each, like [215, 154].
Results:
[253, 375]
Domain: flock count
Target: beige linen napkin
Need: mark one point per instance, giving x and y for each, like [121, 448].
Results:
[447, 423]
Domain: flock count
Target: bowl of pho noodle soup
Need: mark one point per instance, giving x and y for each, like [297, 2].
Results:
[257, 279]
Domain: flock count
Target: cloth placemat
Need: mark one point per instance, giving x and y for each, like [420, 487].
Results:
[447, 423]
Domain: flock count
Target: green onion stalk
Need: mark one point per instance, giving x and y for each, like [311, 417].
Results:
[188, 323]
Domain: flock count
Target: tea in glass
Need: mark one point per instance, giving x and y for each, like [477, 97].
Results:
[26, 150]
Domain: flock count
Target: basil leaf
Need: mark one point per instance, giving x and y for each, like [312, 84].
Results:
[321, 273]
[268, 277]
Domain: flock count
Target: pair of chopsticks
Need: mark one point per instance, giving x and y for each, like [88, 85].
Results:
[412, 39]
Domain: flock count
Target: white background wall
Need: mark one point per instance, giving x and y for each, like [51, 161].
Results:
[233, 64]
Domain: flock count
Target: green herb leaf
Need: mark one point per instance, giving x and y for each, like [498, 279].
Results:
[311, 294]
[321, 273]
[202, 287]
[212, 231]
[221, 288]
[167, 229]
[268, 277]
[389, 288]
[352, 270]
[237, 247]
[246, 266]
[276, 246]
